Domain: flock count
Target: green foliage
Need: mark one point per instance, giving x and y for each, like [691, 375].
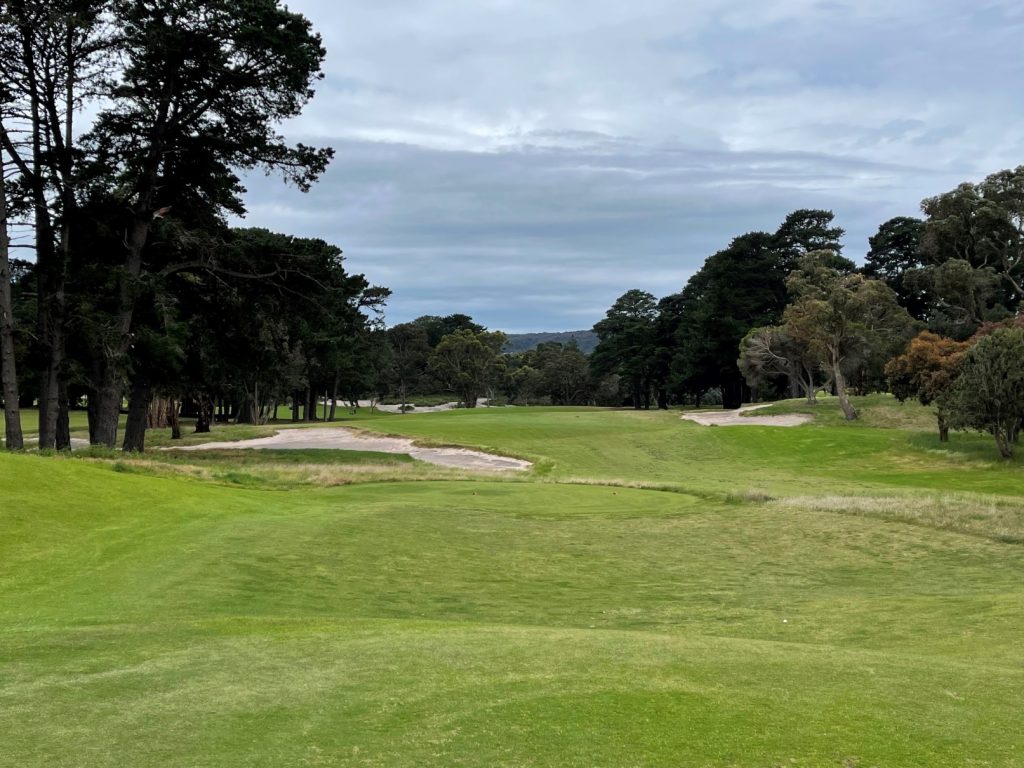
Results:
[895, 251]
[436, 328]
[989, 392]
[979, 228]
[557, 373]
[737, 289]
[627, 345]
[844, 320]
[410, 349]
[469, 363]
[807, 230]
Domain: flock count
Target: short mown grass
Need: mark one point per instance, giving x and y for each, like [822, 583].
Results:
[655, 593]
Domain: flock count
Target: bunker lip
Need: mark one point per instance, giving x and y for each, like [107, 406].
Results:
[344, 439]
[737, 418]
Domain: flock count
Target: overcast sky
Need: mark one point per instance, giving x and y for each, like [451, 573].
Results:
[528, 161]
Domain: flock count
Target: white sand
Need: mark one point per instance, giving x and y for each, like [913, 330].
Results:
[341, 438]
[737, 419]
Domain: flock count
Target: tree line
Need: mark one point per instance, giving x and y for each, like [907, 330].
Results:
[932, 314]
[125, 126]
[138, 288]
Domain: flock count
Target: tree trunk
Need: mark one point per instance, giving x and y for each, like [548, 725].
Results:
[204, 413]
[796, 386]
[849, 412]
[172, 418]
[309, 411]
[943, 426]
[732, 394]
[295, 405]
[246, 411]
[334, 392]
[1004, 440]
[805, 381]
[138, 418]
[8, 367]
[63, 435]
[108, 411]
[158, 416]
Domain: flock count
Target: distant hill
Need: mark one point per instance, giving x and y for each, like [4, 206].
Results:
[521, 342]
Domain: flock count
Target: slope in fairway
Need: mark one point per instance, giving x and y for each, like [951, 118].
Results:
[156, 621]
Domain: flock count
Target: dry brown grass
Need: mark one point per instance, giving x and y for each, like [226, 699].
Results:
[292, 475]
[991, 517]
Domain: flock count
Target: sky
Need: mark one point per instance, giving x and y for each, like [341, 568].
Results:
[528, 161]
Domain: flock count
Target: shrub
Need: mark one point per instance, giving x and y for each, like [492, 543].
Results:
[989, 393]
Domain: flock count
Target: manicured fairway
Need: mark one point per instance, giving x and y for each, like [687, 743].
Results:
[819, 596]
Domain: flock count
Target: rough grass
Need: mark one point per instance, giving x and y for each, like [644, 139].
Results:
[280, 469]
[880, 411]
[655, 594]
[993, 517]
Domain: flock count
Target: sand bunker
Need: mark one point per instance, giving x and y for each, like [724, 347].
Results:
[481, 403]
[340, 438]
[737, 419]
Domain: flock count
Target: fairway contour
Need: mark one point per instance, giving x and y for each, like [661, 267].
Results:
[652, 593]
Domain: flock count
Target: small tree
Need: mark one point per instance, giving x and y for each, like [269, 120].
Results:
[989, 394]
[524, 384]
[409, 350]
[927, 372]
[469, 362]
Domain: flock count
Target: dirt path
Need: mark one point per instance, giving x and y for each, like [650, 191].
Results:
[737, 419]
[340, 438]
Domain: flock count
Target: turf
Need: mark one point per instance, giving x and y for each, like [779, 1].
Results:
[821, 596]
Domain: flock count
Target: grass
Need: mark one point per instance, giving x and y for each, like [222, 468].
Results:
[77, 420]
[828, 595]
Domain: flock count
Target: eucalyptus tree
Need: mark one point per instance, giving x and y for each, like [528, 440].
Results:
[843, 318]
[973, 248]
[469, 363]
[770, 351]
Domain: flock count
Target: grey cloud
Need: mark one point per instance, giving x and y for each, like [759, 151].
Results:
[527, 161]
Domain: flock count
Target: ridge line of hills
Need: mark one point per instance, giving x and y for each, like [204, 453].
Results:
[522, 342]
